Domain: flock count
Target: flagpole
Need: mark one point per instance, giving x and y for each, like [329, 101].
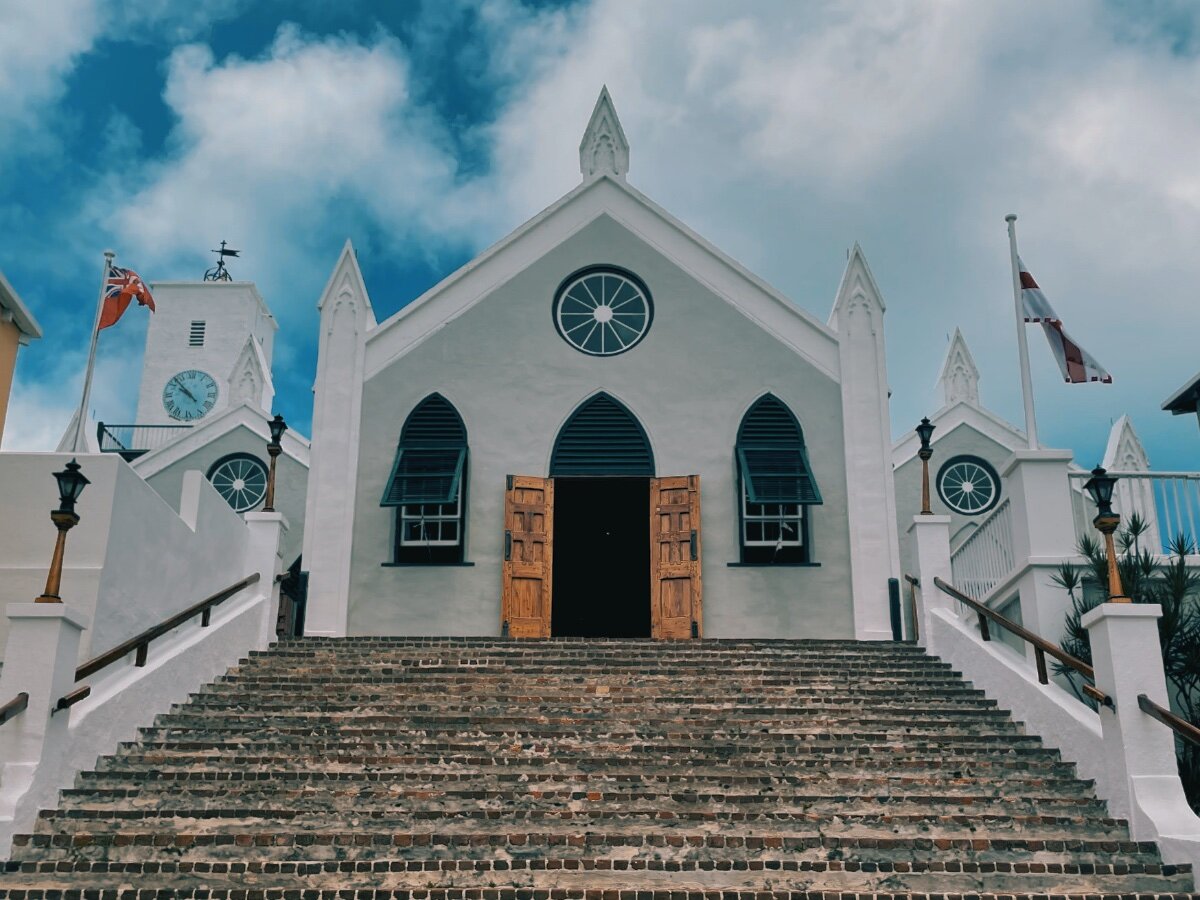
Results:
[91, 363]
[1022, 337]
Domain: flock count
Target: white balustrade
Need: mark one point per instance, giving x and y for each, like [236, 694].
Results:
[985, 558]
[1168, 502]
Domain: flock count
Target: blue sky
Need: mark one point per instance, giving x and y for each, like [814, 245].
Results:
[783, 131]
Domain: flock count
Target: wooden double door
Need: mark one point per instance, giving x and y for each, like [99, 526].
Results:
[675, 589]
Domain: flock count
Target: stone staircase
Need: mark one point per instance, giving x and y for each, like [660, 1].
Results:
[491, 769]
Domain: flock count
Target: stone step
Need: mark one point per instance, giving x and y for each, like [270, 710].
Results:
[314, 816]
[242, 841]
[602, 759]
[367, 795]
[594, 880]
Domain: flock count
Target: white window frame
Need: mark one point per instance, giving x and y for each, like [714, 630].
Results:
[796, 520]
[421, 512]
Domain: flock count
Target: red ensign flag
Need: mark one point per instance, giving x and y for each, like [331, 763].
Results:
[120, 288]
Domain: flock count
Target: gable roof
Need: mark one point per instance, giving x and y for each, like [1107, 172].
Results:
[953, 416]
[240, 415]
[604, 196]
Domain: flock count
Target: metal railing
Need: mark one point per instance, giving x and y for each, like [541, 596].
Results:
[1041, 647]
[985, 558]
[14, 707]
[140, 644]
[131, 441]
[1168, 502]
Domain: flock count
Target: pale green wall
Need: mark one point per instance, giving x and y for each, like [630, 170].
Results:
[291, 480]
[515, 381]
[961, 440]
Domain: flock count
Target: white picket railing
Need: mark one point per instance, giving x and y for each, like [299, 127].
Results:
[1168, 502]
[985, 558]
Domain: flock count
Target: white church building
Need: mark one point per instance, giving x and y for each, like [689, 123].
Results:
[601, 426]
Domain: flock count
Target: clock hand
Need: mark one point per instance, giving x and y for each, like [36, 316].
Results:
[186, 391]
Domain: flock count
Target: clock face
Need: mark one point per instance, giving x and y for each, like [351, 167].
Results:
[189, 395]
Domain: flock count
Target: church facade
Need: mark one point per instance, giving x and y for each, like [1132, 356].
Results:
[601, 426]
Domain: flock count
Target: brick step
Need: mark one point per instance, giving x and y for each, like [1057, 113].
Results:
[797, 745]
[596, 882]
[594, 704]
[816, 674]
[862, 825]
[557, 690]
[915, 719]
[365, 794]
[244, 844]
[809, 741]
[669, 776]
[843, 752]
[602, 758]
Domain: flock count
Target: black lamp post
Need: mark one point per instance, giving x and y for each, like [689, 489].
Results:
[274, 448]
[1100, 487]
[71, 483]
[925, 433]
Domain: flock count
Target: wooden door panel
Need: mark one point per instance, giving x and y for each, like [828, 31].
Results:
[528, 556]
[675, 585]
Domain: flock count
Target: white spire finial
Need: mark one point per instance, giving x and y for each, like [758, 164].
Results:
[959, 380]
[604, 150]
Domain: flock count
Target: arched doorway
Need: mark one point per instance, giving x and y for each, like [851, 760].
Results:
[601, 466]
[602, 547]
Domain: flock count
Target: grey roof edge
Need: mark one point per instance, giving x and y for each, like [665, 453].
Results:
[22, 317]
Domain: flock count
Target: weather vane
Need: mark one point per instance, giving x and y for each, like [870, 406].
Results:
[219, 272]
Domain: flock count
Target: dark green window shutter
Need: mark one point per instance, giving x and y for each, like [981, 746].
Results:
[602, 438]
[430, 457]
[772, 458]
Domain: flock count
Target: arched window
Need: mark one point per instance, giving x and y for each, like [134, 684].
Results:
[775, 486]
[427, 485]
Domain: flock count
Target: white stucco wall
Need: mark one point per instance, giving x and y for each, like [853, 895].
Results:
[131, 561]
[515, 381]
[231, 312]
[291, 479]
[960, 440]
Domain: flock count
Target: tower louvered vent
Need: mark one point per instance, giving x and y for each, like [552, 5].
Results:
[602, 438]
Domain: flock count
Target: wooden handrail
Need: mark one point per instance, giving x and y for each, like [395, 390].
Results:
[1041, 646]
[1181, 727]
[141, 642]
[14, 707]
[70, 699]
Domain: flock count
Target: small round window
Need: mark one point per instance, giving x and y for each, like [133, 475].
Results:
[602, 310]
[968, 485]
[241, 479]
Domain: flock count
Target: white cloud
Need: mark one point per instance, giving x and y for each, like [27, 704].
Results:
[781, 131]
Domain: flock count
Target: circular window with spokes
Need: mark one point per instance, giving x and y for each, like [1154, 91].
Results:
[241, 479]
[603, 310]
[968, 485]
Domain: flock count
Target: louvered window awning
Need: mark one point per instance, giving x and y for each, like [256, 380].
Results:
[425, 475]
[772, 458]
[778, 475]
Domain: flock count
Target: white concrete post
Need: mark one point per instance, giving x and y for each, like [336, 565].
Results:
[266, 540]
[39, 659]
[931, 540]
[1043, 527]
[1139, 750]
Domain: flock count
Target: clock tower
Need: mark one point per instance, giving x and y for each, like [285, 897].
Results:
[208, 346]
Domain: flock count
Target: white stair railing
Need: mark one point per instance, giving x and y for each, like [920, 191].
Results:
[985, 558]
[1168, 502]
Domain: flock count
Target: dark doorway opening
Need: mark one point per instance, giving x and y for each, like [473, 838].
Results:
[601, 557]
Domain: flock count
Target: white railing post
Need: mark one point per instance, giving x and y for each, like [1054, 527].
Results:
[39, 659]
[266, 539]
[1140, 751]
[1043, 533]
[931, 538]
